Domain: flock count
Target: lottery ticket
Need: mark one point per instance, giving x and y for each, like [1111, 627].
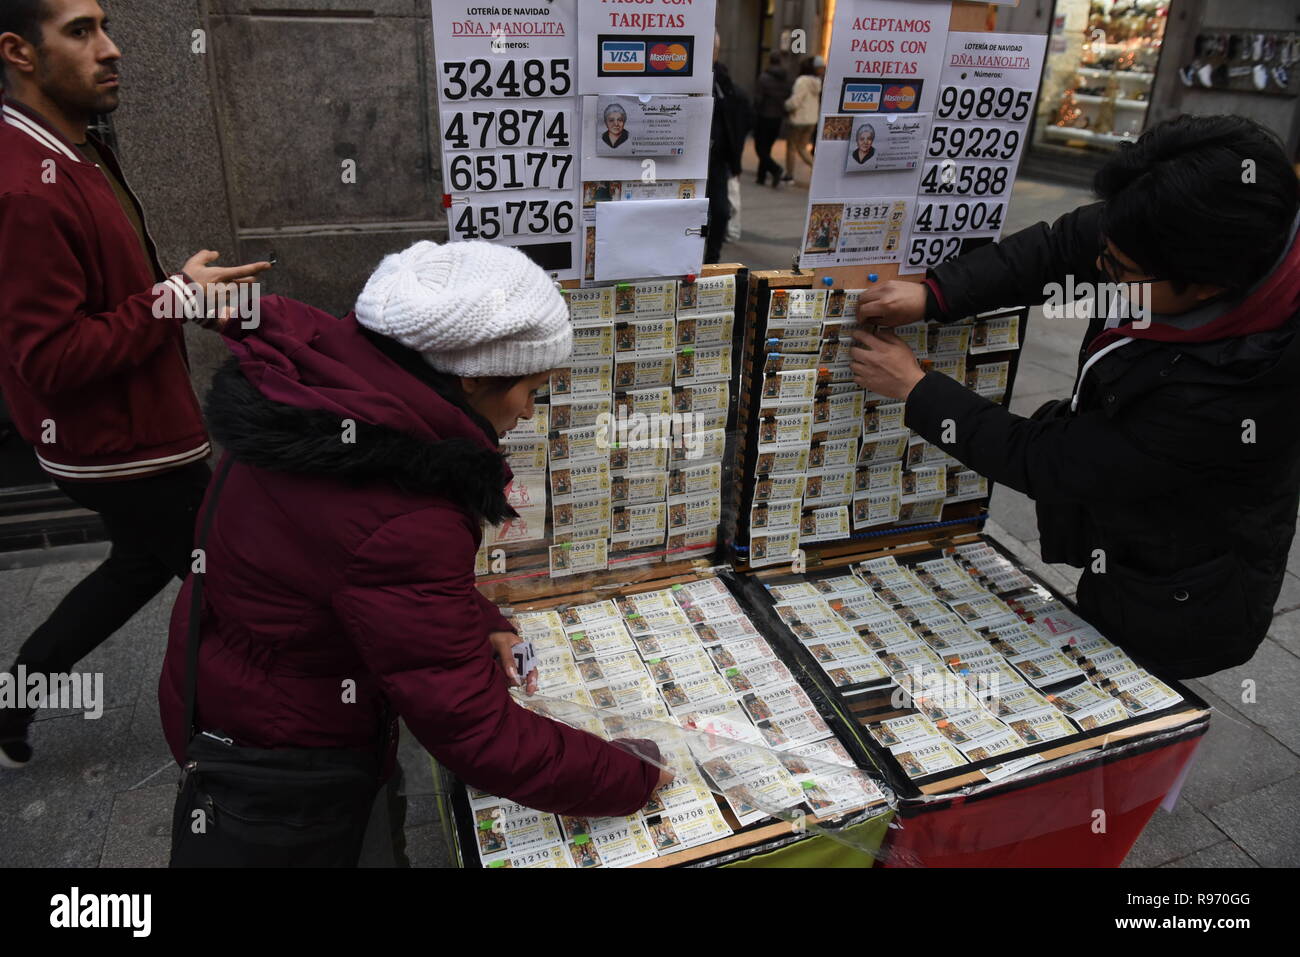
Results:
[645, 336]
[711, 363]
[679, 667]
[992, 745]
[995, 335]
[637, 488]
[845, 406]
[600, 640]
[583, 379]
[694, 481]
[1035, 727]
[702, 397]
[776, 460]
[669, 642]
[797, 304]
[593, 342]
[676, 830]
[573, 558]
[875, 508]
[707, 294]
[554, 856]
[833, 454]
[694, 512]
[643, 371]
[885, 447]
[691, 693]
[906, 730]
[945, 339]
[699, 448]
[927, 757]
[726, 630]
[775, 548]
[588, 304]
[883, 417]
[757, 676]
[793, 729]
[646, 300]
[735, 654]
[1016, 701]
[1099, 715]
[829, 486]
[505, 827]
[776, 430]
[1043, 668]
[789, 387]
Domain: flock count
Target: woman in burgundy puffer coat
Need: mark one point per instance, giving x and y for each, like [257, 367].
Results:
[343, 544]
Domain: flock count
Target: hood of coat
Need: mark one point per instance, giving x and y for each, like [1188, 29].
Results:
[307, 393]
[1270, 306]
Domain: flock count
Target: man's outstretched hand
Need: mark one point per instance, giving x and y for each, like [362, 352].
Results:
[200, 269]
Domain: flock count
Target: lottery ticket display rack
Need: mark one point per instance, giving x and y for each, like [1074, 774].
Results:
[1083, 805]
[881, 485]
[526, 574]
[1078, 795]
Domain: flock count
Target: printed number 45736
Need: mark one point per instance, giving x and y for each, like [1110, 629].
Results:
[514, 218]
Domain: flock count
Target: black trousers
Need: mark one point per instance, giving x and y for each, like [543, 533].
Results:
[767, 130]
[150, 522]
[719, 210]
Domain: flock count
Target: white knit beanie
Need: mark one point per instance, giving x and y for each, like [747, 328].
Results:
[470, 308]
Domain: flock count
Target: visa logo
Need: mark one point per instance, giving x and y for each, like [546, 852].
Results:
[622, 56]
[861, 97]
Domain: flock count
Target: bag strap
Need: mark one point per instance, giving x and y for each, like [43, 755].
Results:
[196, 598]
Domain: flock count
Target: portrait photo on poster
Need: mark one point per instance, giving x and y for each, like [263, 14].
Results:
[893, 142]
[647, 125]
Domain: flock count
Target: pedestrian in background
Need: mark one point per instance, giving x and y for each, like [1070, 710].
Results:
[774, 89]
[803, 108]
[733, 115]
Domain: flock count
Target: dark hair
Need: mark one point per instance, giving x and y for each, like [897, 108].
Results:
[443, 383]
[1208, 199]
[23, 17]
[808, 66]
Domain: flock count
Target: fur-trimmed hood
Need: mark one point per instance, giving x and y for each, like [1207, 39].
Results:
[307, 393]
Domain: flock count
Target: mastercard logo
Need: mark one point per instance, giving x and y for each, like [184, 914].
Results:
[900, 97]
[668, 57]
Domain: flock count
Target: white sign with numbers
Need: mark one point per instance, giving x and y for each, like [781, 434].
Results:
[977, 135]
[507, 101]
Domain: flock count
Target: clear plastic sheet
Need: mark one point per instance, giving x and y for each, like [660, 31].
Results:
[754, 780]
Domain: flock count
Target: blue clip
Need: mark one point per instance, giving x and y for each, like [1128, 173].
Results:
[872, 277]
[828, 280]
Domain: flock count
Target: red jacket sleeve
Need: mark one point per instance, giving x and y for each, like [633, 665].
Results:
[492, 617]
[410, 606]
[53, 343]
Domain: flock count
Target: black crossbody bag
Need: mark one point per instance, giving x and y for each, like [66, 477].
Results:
[264, 807]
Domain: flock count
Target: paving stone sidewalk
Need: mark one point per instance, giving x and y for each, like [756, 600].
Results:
[100, 792]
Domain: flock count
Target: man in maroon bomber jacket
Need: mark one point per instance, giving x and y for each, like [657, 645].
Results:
[92, 353]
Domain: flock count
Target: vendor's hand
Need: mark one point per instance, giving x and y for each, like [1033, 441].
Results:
[892, 303]
[503, 643]
[884, 363]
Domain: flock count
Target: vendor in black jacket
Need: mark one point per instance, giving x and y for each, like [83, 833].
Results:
[1172, 475]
